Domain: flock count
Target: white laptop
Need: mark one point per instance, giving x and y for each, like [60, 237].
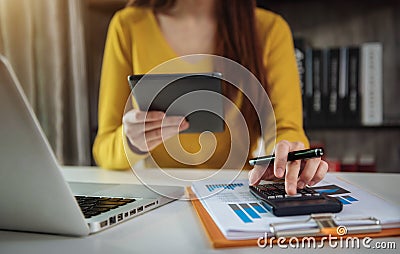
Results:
[34, 195]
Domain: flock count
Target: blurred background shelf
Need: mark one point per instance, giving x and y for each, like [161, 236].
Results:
[324, 24]
[352, 22]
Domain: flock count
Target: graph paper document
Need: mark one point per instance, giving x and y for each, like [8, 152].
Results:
[239, 215]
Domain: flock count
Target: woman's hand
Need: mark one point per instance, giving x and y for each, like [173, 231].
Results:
[147, 130]
[314, 170]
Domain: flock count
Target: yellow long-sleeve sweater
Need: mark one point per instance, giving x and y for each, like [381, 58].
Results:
[135, 45]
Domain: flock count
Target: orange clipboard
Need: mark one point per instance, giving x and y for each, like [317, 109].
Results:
[218, 240]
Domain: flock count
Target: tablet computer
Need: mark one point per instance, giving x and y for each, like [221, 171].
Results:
[196, 96]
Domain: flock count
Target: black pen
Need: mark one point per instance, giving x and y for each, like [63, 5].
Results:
[292, 156]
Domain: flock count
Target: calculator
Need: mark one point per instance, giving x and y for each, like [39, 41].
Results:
[306, 201]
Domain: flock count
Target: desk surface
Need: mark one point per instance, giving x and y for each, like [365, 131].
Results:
[173, 228]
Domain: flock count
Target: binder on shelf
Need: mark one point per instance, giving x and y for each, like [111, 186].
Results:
[353, 111]
[300, 46]
[371, 84]
[341, 87]
[308, 92]
[324, 120]
[343, 83]
[316, 109]
[333, 111]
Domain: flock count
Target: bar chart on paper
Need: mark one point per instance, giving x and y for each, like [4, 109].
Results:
[240, 215]
[232, 186]
[337, 192]
[247, 212]
[234, 199]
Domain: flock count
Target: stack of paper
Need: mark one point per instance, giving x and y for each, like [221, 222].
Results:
[239, 215]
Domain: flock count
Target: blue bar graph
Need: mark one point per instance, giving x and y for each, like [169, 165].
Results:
[250, 211]
[344, 201]
[327, 191]
[258, 208]
[231, 186]
[240, 213]
[350, 198]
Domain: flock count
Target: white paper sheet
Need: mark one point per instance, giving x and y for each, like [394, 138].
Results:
[239, 215]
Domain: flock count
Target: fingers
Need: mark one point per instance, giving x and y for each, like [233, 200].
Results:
[292, 171]
[151, 119]
[168, 121]
[256, 174]
[146, 130]
[149, 140]
[157, 136]
[263, 173]
[314, 170]
[281, 151]
[165, 132]
[320, 174]
[308, 172]
[292, 168]
[137, 116]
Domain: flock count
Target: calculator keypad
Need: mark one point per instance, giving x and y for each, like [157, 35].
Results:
[277, 191]
[306, 201]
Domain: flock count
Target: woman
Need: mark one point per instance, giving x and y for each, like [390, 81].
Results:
[148, 33]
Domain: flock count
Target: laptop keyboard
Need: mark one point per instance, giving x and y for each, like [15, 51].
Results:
[92, 206]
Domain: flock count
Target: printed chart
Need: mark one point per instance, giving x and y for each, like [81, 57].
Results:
[231, 186]
[337, 192]
[247, 212]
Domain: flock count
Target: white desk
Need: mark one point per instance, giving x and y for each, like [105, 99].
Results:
[174, 228]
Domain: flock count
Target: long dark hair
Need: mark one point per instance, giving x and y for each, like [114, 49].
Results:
[236, 39]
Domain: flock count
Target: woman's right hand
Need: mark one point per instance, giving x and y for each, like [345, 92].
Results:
[147, 130]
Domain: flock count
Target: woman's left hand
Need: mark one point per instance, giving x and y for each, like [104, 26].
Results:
[314, 170]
